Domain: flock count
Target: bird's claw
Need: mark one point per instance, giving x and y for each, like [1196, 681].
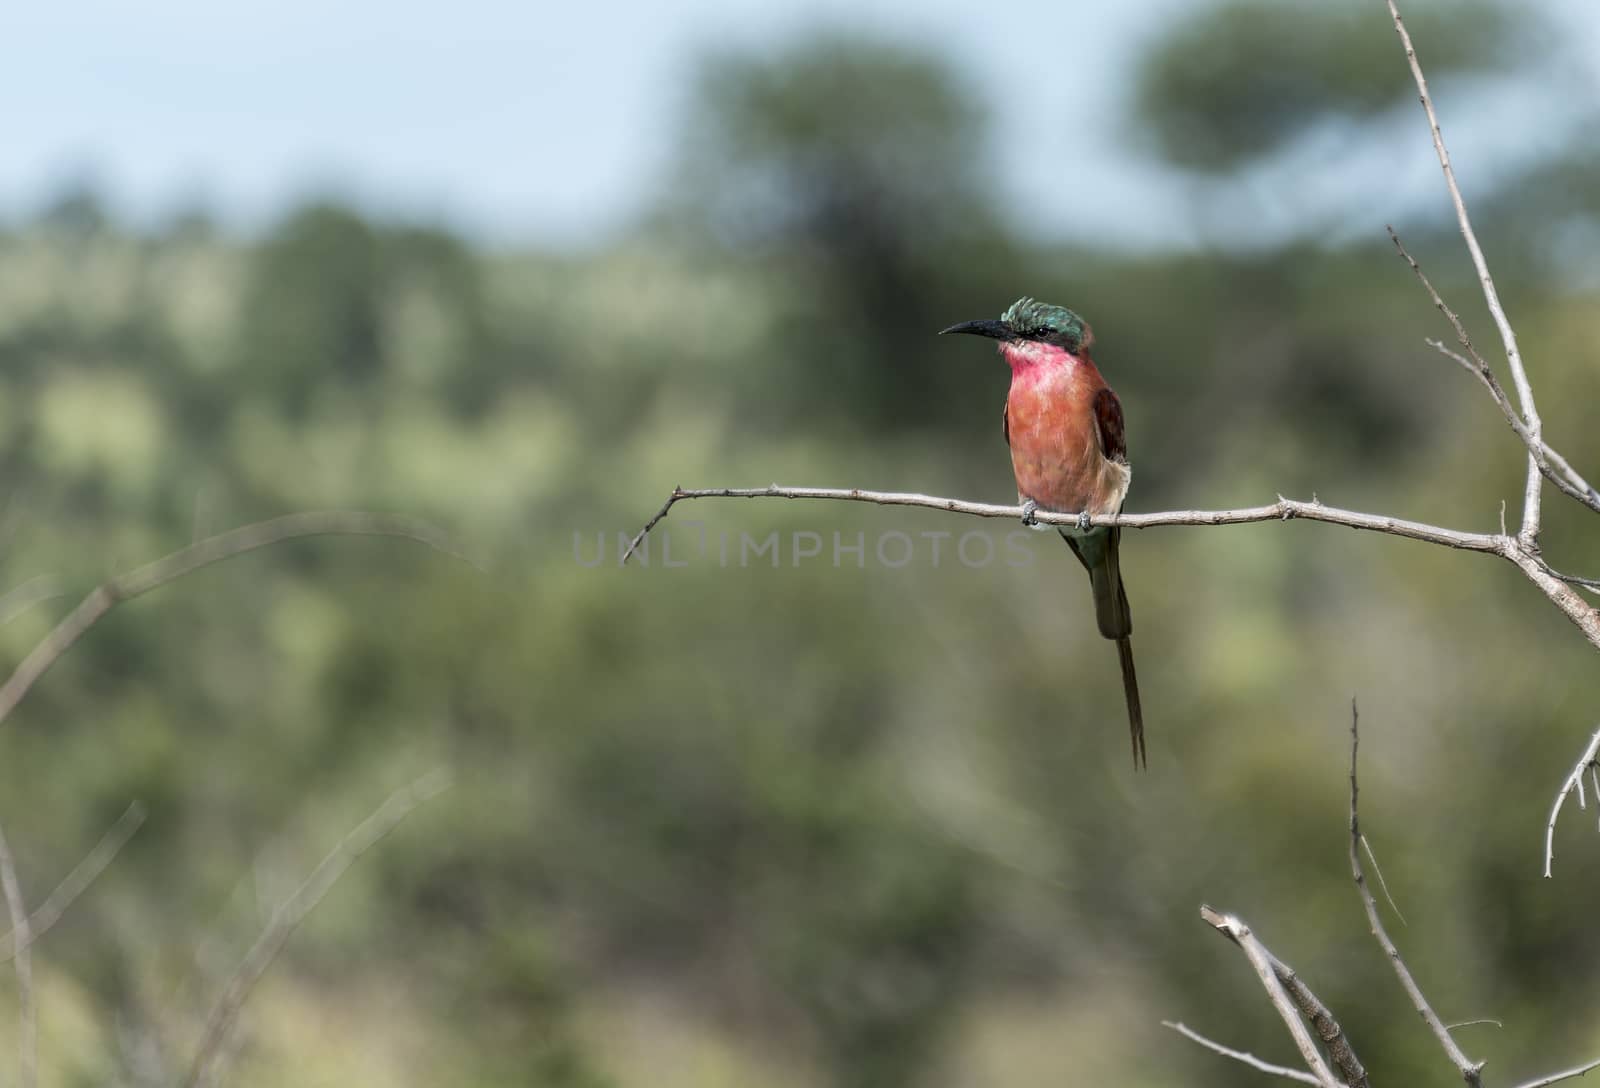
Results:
[1084, 525]
[1029, 508]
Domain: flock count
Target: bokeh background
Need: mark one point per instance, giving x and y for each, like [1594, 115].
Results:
[518, 271]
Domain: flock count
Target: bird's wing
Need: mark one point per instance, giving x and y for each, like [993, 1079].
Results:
[1108, 417]
[1005, 421]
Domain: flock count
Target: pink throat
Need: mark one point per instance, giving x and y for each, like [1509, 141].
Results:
[1032, 357]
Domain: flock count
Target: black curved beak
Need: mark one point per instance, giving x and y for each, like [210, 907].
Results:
[995, 330]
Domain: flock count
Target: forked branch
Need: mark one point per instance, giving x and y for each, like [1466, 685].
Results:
[1529, 532]
[1588, 763]
[1551, 464]
[1279, 980]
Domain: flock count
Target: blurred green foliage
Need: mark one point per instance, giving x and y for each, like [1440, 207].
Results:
[811, 823]
[1231, 83]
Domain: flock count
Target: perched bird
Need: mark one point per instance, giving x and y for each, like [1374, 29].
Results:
[1064, 427]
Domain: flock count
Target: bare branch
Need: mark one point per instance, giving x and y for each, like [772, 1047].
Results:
[292, 911]
[1552, 465]
[187, 560]
[1565, 1074]
[1266, 966]
[1322, 1019]
[1240, 1056]
[1586, 762]
[1470, 1070]
[1573, 579]
[83, 874]
[1282, 510]
[1519, 376]
[27, 1013]
[1584, 615]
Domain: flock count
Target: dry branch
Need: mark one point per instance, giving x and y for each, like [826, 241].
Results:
[1586, 762]
[27, 1013]
[1565, 1074]
[1263, 962]
[1282, 510]
[293, 910]
[1584, 615]
[1543, 462]
[1529, 533]
[83, 874]
[1470, 1070]
[1552, 465]
[1239, 1055]
[1269, 970]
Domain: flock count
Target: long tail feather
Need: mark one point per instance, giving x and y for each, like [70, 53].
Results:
[1130, 689]
[1099, 555]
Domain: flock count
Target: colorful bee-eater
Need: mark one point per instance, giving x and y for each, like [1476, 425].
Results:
[1064, 427]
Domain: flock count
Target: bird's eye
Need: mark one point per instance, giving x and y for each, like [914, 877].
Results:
[1043, 331]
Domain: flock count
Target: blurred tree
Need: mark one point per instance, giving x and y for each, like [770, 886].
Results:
[77, 211]
[1239, 81]
[311, 312]
[861, 164]
[335, 301]
[838, 141]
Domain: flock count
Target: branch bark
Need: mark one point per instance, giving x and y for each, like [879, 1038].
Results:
[1282, 510]
[1584, 615]
[1267, 967]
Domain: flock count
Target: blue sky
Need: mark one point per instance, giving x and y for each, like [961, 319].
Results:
[548, 123]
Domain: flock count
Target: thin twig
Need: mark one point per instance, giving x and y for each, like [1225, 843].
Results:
[1573, 579]
[1472, 1023]
[83, 874]
[1265, 966]
[293, 910]
[203, 553]
[27, 1013]
[1591, 755]
[1529, 533]
[1585, 616]
[1382, 883]
[1552, 465]
[1565, 1074]
[1282, 510]
[1239, 1055]
[1470, 1070]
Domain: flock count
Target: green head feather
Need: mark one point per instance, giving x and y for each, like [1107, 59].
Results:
[1034, 320]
